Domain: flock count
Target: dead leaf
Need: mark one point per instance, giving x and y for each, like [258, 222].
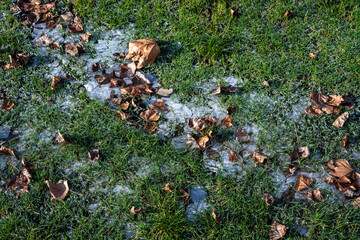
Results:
[340, 121]
[15, 9]
[159, 105]
[52, 23]
[312, 55]
[167, 188]
[235, 12]
[22, 59]
[340, 168]
[76, 27]
[231, 110]
[241, 135]
[191, 142]
[300, 152]
[288, 13]
[85, 37]
[203, 142]
[209, 121]
[56, 81]
[96, 67]
[291, 169]
[93, 154]
[302, 182]
[150, 115]
[125, 105]
[140, 75]
[345, 141]
[162, 92]
[74, 49]
[44, 40]
[127, 70]
[314, 110]
[185, 194]
[348, 102]
[115, 101]
[356, 202]
[259, 158]
[330, 109]
[214, 217]
[233, 157]
[124, 116]
[349, 194]
[59, 190]
[6, 105]
[226, 121]
[102, 79]
[217, 90]
[54, 45]
[48, 16]
[266, 83]
[143, 51]
[196, 123]
[68, 17]
[136, 211]
[268, 198]
[59, 139]
[119, 54]
[315, 195]
[277, 231]
[151, 126]
[20, 181]
[6, 151]
[319, 98]
[230, 89]
[335, 100]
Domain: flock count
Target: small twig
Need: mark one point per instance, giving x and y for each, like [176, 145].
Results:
[76, 193]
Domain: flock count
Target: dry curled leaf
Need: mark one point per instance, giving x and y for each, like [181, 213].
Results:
[150, 115]
[340, 121]
[356, 202]
[76, 27]
[167, 188]
[93, 154]
[226, 121]
[143, 51]
[67, 17]
[265, 83]
[259, 158]
[20, 181]
[85, 37]
[233, 157]
[102, 79]
[349, 194]
[203, 141]
[216, 91]
[291, 169]
[140, 75]
[302, 182]
[345, 141]
[127, 70]
[6, 105]
[241, 135]
[335, 100]
[136, 211]
[231, 110]
[59, 190]
[6, 151]
[315, 195]
[330, 109]
[162, 92]
[74, 49]
[96, 67]
[124, 116]
[115, 101]
[59, 139]
[340, 168]
[56, 81]
[15, 9]
[185, 194]
[125, 105]
[150, 127]
[159, 105]
[300, 153]
[196, 123]
[209, 121]
[44, 40]
[191, 142]
[277, 231]
[319, 98]
[268, 198]
[313, 110]
[214, 217]
[312, 55]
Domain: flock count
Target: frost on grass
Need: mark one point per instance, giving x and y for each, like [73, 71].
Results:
[198, 205]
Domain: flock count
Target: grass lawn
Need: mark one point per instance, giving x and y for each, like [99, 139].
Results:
[200, 42]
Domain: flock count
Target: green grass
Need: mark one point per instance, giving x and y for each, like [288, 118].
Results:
[261, 44]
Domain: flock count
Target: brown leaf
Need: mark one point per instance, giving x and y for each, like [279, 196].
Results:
[217, 90]
[93, 154]
[330, 109]
[6, 151]
[335, 100]
[233, 157]
[48, 16]
[349, 194]
[68, 17]
[54, 45]
[52, 23]
[340, 121]
[20, 181]
[277, 231]
[44, 40]
[319, 98]
[74, 49]
[241, 135]
[300, 152]
[59, 190]
[119, 54]
[265, 83]
[209, 121]
[125, 105]
[115, 101]
[15, 9]
[312, 55]
[231, 110]
[314, 110]
[345, 141]
[259, 158]
[150, 126]
[6, 105]
[268, 198]
[56, 81]
[196, 123]
[59, 139]
[140, 75]
[127, 70]
[23, 59]
[226, 121]
[348, 102]
[162, 92]
[96, 67]
[76, 27]
[167, 188]
[191, 142]
[288, 13]
[356, 202]
[203, 142]
[150, 115]
[136, 211]
[341, 168]
[159, 105]
[302, 182]
[185, 194]
[235, 12]
[102, 79]
[85, 37]
[214, 217]
[124, 116]
[291, 169]
[315, 195]
[45, 7]
[33, 17]
[230, 89]
[143, 51]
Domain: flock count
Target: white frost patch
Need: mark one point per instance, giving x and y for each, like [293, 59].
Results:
[198, 196]
[120, 189]
[101, 92]
[4, 131]
[129, 230]
[93, 207]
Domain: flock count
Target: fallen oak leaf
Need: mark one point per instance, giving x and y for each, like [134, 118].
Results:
[59, 139]
[319, 98]
[143, 51]
[202, 142]
[340, 121]
[127, 70]
[196, 123]
[340, 168]
[162, 92]
[140, 75]
[226, 121]
[209, 121]
[125, 105]
[277, 231]
[150, 115]
[314, 110]
[44, 40]
[6, 151]
[259, 158]
[68, 17]
[59, 190]
[185, 194]
[241, 135]
[335, 100]
[345, 141]
[191, 142]
[291, 169]
[85, 37]
[159, 105]
[52, 23]
[102, 79]
[95, 67]
[330, 109]
[268, 198]
[136, 211]
[167, 188]
[300, 152]
[56, 81]
[124, 116]
[115, 101]
[93, 154]
[302, 182]
[6, 105]
[74, 49]
[214, 216]
[216, 91]
[20, 181]
[76, 27]
[151, 126]
[233, 157]
[315, 195]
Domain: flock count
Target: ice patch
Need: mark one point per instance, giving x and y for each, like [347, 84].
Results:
[120, 189]
[198, 205]
[4, 131]
[101, 92]
[93, 207]
[129, 230]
